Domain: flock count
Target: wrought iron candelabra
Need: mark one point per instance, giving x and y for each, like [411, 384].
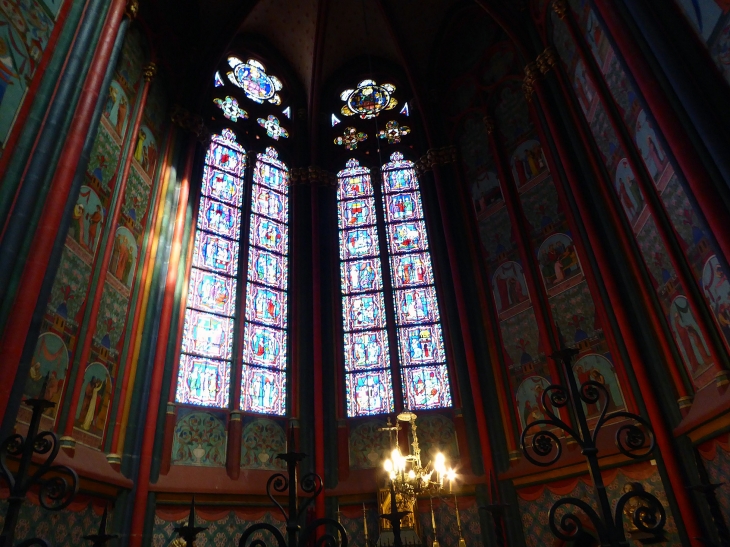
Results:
[311, 484]
[634, 439]
[58, 483]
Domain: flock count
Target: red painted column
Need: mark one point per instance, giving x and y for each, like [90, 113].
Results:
[667, 233]
[95, 299]
[689, 161]
[148, 441]
[13, 339]
[662, 430]
[154, 226]
[654, 314]
[317, 347]
[464, 321]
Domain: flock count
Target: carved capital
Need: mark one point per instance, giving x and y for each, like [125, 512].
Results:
[532, 74]
[149, 71]
[188, 121]
[547, 60]
[312, 176]
[436, 156]
[131, 9]
[490, 124]
[561, 8]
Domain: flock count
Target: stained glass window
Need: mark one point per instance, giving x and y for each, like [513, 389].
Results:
[263, 382]
[424, 372]
[207, 347]
[367, 359]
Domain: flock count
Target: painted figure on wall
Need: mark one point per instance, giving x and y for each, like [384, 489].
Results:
[596, 39]
[628, 190]
[485, 191]
[717, 290]
[86, 220]
[509, 286]
[528, 162]
[597, 368]
[145, 151]
[530, 404]
[91, 412]
[654, 156]
[584, 87]
[49, 365]
[124, 256]
[687, 332]
[117, 108]
[558, 260]
[721, 51]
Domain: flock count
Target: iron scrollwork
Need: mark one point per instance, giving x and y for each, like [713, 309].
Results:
[541, 444]
[58, 484]
[278, 484]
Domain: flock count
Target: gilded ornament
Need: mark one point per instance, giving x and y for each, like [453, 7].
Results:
[561, 8]
[131, 9]
[489, 124]
[149, 71]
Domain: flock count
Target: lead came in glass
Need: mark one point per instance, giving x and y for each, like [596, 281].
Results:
[219, 218]
[267, 268]
[411, 270]
[358, 212]
[364, 311]
[268, 234]
[427, 387]
[226, 159]
[421, 344]
[366, 350]
[361, 275]
[215, 253]
[269, 203]
[211, 292]
[263, 390]
[359, 243]
[207, 334]
[221, 186]
[203, 382]
[408, 236]
[369, 393]
[266, 306]
[416, 305]
[400, 207]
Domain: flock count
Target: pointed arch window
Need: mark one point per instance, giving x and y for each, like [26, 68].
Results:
[213, 320]
[415, 319]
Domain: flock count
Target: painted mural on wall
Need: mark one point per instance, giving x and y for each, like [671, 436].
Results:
[48, 368]
[715, 455]
[530, 404]
[88, 229]
[692, 344]
[478, 163]
[720, 50]
[574, 314]
[199, 438]
[262, 439]
[520, 338]
[510, 112]
[510, 289]
[528, 164]
[717, 290]
[598, 368]
[541, 208]
[93, 408]
[686, 221]
[559, 264]
[496, 235]
[25, 28]
[368, 446]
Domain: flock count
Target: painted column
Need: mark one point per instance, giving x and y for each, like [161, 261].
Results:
[317, 345]
[103, 267]
[150, 430]
[662, 430]
[11, 344]
[698, 176]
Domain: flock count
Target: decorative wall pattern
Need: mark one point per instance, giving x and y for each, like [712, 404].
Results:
[199, 438]
[445, 516]
[261, 441]
[716, 458]
[368, 446]
[225, 528]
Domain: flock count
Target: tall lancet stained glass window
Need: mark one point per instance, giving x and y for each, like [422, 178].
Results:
[263, 382]
[207, 346]
[424, 373]
[367, 357]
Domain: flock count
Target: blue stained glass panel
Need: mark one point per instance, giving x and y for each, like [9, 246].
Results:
[267, 268]
[269, 203]
[416, 305]
[215, 253]
[204, 382]
[355, 187]
[361, 275]
[427, 387]
[358, 243]
[219, 218]
[212, 292]
[228, 139]
[364, 311]
[264, 346]
[359, 212]
[269, 234]
[207, 334]
[263, 390]
[222, 186]
[400, 179]
[369, 393]
[421, 344]
[409, 236]
[266, 306]
[405, 206]
[411, 270]
[226, 159]
[365, 350]
[271, 176]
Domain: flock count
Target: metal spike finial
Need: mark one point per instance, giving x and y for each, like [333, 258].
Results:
[101, 537]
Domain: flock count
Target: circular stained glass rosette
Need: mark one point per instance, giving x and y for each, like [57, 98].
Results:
[251, 76]
[368, 99]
